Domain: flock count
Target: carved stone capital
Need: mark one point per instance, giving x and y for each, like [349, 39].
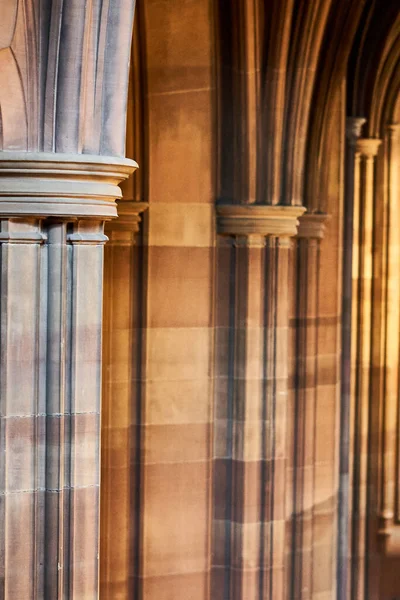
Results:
[40, 184]
[122, 231]
[128, 216]
[312, 225]
[258, 220]
[368, 147]
[353, 128]
[394, 130]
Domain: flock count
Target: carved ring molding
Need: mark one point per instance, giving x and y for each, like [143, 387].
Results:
[61, 185]
[256, 219]
[312, 225]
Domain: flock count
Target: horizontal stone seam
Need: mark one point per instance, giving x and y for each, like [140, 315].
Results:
[173, 573]
[52, 490]
[188, 91]
[143, 462]
[35, 415]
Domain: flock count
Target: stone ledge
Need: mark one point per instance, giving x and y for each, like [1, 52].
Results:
[257, 219]
[61, 185]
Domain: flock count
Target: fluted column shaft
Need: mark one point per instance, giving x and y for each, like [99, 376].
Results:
[250, 514]
[50, 395]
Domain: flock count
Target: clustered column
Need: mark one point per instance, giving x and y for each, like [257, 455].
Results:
[64, 72]
[250, 449]
[52, 214]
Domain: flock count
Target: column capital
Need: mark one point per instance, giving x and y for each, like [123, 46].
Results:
[368, 147]
[122, 231]
[394, 130]
[353, 128]
[258, 220]
[39, 184]
[312, 225]
[128, 216]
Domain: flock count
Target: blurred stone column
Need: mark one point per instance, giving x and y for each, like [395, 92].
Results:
[250, 466]
[120, 478]
[309, 236]
[353, 131]
[389, 509]
[366, 151]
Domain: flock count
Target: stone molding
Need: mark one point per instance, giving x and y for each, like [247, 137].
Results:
[12, 233]
[122, 231]
[39, 184]
[368, 147]
[258, 220]
[312, 225]
[128, 216]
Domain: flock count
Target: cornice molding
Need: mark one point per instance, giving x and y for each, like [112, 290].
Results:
[258, 220]
[312, 225]
[39, 184]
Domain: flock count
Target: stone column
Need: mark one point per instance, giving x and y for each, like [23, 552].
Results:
[250, 466]
[120, 472]
[353, 132]
[366, 151]
[63, 81]
[310, 233]
[51, 306]
[389, 509]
